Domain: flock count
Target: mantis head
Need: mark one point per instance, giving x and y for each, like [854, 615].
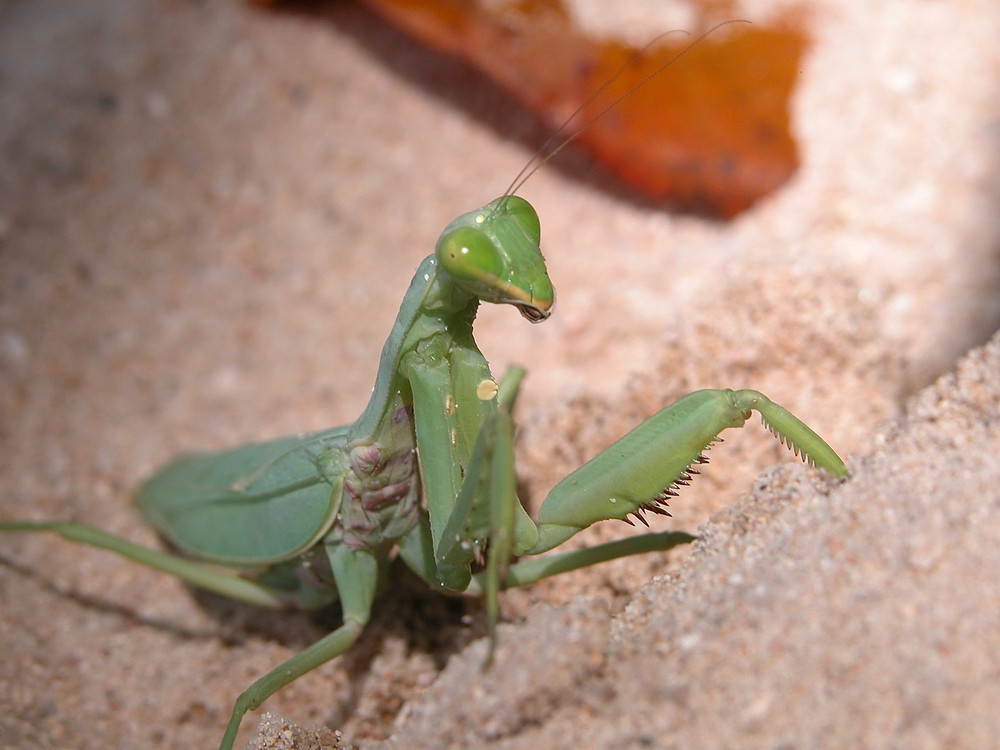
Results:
[493, 253]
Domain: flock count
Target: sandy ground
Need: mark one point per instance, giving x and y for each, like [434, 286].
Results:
[208, 215]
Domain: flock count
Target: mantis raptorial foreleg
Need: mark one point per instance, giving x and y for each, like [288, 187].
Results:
[644, 467]
[634, 475]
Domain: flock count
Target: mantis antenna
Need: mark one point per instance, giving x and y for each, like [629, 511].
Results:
[540, 158]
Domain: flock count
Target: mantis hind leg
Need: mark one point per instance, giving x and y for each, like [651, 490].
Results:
[356, 573]
[209, 577]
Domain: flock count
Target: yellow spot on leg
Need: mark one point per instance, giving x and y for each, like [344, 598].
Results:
[487, 389]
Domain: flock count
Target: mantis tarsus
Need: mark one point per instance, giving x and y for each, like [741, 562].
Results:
[426, 474]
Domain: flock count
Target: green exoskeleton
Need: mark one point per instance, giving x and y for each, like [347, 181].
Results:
[426, 474]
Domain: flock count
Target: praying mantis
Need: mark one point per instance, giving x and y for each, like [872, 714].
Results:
[426, 474]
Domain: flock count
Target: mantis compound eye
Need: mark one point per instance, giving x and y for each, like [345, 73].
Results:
[470, 256]
[526, 217]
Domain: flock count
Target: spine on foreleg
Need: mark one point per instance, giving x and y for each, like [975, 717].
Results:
[793, 432]
[639, 468]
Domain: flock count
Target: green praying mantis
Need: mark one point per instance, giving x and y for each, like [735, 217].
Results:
[426, 474]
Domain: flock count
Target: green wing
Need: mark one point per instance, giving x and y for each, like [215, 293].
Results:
[252, 505]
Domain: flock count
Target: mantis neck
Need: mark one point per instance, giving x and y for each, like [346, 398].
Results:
[432, 301]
